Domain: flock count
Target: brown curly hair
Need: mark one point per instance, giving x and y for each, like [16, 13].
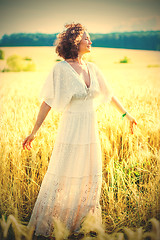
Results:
[67, 42]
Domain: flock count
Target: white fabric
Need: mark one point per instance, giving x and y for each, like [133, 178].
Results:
[72, 184]
[63, 83]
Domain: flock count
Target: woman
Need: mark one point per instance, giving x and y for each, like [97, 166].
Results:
[72, 184]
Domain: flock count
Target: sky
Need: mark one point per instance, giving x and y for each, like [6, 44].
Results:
[98, 16]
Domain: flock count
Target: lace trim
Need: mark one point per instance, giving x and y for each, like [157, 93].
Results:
[67, 199]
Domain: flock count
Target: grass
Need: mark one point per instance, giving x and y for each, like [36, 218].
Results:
[14, 229]
[153, 65]
[131, 163]
[125, 60]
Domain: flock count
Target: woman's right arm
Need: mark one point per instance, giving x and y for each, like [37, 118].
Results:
[44, 109]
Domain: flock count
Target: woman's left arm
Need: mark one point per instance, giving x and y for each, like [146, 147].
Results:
[121, 109]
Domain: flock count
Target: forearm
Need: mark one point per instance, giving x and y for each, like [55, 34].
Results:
[121, 109]
[115, 102]
[44, 109]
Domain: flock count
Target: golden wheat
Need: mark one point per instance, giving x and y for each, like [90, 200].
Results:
[89, 226]
[131, 163]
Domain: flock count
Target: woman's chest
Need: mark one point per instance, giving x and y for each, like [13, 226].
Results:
[83, 73]
[82, 90]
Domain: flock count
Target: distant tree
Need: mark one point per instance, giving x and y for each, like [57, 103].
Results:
[149, 40]
[28, 39]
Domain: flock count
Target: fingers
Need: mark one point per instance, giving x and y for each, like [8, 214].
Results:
[131, 125]
[28, 146]
[27, 143]
[24, 143]
[135, 122]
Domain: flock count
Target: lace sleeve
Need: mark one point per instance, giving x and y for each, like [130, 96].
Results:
[105, 88]
[56, 91]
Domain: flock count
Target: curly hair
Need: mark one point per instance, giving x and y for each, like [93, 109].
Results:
[67, 42]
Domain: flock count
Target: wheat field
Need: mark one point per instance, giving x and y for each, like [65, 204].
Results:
[131, 162]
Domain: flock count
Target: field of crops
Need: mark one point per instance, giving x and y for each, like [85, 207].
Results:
[131, 163]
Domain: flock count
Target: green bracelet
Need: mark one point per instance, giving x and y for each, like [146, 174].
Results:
[124, 115]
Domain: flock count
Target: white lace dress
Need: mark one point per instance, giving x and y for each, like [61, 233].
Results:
[72, 184]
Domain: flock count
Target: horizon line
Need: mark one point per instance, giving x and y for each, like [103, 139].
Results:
[89, 32]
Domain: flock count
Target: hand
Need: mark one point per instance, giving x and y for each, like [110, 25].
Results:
[27, 141]
[132, 122]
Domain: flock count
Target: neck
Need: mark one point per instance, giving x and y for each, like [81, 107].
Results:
[78, 59]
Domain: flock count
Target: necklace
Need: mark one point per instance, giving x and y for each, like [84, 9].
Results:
[75, 62]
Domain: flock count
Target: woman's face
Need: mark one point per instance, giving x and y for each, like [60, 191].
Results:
[85, 44]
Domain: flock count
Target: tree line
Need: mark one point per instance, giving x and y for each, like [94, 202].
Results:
[144, 40]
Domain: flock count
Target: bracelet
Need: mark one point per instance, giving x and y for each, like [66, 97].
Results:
[124, 115]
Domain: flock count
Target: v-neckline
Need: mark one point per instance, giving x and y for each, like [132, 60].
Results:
[80, 76]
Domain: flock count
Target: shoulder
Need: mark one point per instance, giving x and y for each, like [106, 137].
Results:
[59, 66]
[92, 65]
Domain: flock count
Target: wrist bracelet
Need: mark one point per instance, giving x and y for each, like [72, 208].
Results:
[124, 115]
